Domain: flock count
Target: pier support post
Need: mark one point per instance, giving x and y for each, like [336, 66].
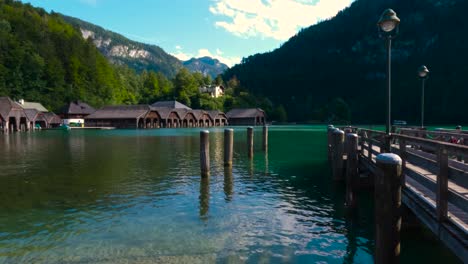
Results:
[388, 209]
[228, 146]
[265, 138]
[250, 141]
[338, 150]
[205, 153]
[442, 185]
[352, 174]
[330, 129]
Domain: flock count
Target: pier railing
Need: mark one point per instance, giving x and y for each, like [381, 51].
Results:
[434, 178]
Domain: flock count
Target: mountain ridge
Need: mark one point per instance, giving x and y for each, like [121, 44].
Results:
[141, 56]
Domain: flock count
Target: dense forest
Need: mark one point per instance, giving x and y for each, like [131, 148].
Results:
[43, 58]
[335, 70]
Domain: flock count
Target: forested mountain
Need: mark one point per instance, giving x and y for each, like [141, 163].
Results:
[140, 56]
[124, 51]
[43, 58]
[206, 66]
[336, 69]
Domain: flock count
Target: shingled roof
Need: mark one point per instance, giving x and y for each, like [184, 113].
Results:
[52, 118]
[245, 113]
[165, 112]
[31, 114]
[215, 113]
[6, 105]
[120, 112]
[77, 108]
[33, 105]
[171, 104]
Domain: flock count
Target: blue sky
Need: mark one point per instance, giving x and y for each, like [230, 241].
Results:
[225, 29]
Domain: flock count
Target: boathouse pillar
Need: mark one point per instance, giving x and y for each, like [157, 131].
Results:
[388, 208]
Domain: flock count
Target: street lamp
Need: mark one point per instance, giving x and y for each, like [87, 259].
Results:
[423, 73]
[388, 26]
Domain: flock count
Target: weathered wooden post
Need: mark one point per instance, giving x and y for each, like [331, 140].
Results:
[404, 156]
[250, 142]
[330, 129]
[265, 138]
[352, 173]
[370, 144]
[442, 184]
[338, 150]
[388, 208]
[205, 153]
[228, 146]
[228, 183]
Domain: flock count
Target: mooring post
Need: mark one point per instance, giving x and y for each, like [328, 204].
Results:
[352, 173]
[265, 138]
[388, 208]
[228, 146]
[250, 141]
[338, 150]
[330, 129]
[442, 185]
[205, 153]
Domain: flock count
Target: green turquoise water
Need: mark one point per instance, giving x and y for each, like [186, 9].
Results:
[136, 196]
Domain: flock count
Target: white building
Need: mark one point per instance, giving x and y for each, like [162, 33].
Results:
[215, 91]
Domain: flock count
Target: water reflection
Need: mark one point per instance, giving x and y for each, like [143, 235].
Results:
[228, 183]
[204, 197]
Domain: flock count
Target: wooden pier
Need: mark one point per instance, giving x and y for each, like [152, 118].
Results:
[434, 178]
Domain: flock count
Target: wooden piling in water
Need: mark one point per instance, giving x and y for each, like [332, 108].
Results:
[330, 129]
[338, 150]
[250, 142]
[352, 174]
[205, 153]
[265, 138]
[228, 146]
[388, 208]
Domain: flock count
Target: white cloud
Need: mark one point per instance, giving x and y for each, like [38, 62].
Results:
[228, 60]
[178, 47]
[278, 19]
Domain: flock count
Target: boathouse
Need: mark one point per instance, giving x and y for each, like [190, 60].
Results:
[13, 115]
[203, 118]
[219, 118]
[119, 116]
[187, 118]
[246, 117]
[169, 117]
[53, 120]
[36, 119]
[75, 112]
[170, 104]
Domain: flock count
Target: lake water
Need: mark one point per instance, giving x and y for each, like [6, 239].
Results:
[136, 196]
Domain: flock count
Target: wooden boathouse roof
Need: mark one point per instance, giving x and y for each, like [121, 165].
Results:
[120, 112]
[216, 114]
[171, 104]
[199, 114]
[77, 108]
[245, 113]
[33, 105]
[165, 112]
[52, 118]
[7, 105]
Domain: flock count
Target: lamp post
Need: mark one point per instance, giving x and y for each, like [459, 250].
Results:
[423, 74]
[388, 27]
